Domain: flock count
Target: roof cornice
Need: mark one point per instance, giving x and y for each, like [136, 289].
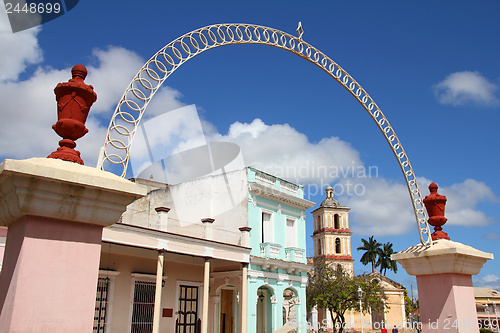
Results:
[276, 195]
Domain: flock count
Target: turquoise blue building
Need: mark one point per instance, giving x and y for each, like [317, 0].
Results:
[277, 273]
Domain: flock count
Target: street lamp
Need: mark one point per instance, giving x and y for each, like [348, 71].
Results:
[360, 294]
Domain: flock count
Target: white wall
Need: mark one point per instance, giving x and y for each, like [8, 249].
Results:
[221, 197]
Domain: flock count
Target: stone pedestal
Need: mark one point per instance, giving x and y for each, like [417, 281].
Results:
[55, 211]
[444, 278]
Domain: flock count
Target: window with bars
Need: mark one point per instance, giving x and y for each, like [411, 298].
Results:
[143, 307]
[188, 309]
[101, 304]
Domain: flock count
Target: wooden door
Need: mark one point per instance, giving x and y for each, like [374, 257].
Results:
[226, 311]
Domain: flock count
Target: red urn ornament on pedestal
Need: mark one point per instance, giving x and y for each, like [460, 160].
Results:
[74, 99]
[435, 203]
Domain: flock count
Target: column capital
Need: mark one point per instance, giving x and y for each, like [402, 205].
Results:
[162, 209]
[444, 256]
[58, 189]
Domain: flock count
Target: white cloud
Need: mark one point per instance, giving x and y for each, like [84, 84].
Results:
[379, 206]
[165, 135]
[462, 201]
[466, 87]
[166, 99]
[18, 49]
[28, 112]
[29, 108]
[385, 208]
[492, 235]
[283, 151]
[115, 68]
[489, 281]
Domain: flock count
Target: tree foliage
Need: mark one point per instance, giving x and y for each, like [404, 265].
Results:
[379, 255]
[384, 259]
[332, 289]
[372, 249]
[409, 304]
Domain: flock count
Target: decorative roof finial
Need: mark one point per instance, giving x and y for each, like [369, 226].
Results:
[329, 192]
[74, 99]
[330, 201]
[300, 31]
[435, 204]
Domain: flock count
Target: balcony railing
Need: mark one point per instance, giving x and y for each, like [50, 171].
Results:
[265, 179]
[276, 183]
[270, 250]
[294, 254]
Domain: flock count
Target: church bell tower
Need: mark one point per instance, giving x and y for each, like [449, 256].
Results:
[332, 237]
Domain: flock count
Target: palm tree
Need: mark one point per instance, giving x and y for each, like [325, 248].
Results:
[372, 249]
[384, 259]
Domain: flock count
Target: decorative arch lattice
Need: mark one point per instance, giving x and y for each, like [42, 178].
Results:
[156, 70]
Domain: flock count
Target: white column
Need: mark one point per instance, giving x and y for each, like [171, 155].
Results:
[206, 286]
[245, 236]
[244, 299]
[159, 280]
[163, 215]
[207, 228]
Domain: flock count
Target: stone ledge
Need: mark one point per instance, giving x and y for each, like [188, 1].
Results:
[444, 256]
[63, 190]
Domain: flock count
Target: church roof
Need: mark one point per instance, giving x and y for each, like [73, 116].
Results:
[385, 279]
[330, 201]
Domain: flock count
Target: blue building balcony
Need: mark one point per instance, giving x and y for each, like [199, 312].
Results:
[270, 250]
[294, 254]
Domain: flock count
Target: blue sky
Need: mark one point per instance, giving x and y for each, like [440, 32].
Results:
[432, 67]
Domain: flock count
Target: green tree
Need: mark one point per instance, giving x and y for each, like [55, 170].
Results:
[372, 249]
[332, 289]
[384, 259]
[409, 304]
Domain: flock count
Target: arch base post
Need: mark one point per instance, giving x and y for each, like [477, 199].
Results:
[55, 212]
[444, 278]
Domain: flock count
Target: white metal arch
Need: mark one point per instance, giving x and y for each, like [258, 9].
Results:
[156, 70]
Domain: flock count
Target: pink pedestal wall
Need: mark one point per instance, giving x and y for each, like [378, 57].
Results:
[55, 212]
[447, 303]
[50, 293]
[444, 278]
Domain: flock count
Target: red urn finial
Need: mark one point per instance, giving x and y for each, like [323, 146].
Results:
[74, 99]
[435, 203]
